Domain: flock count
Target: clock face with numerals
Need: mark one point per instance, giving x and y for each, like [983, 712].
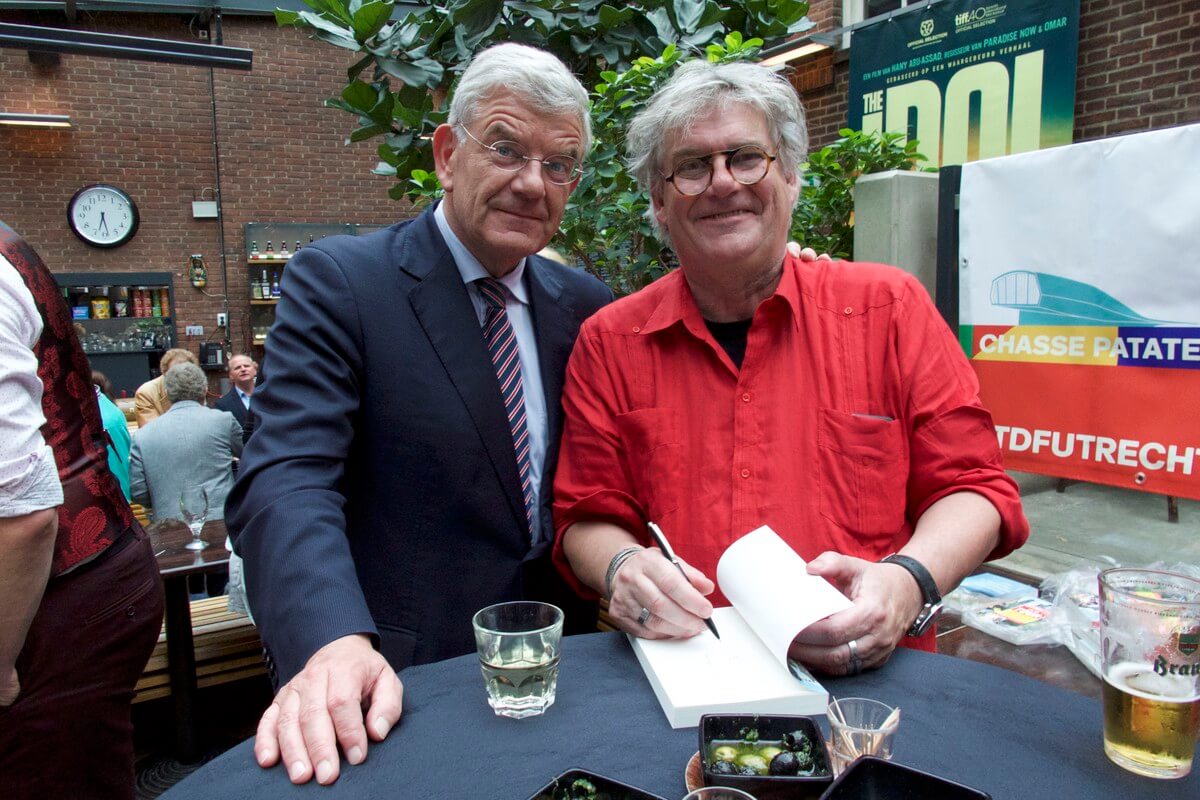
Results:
[102, 215]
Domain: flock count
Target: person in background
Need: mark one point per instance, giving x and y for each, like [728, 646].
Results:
[189, 445]
[117, 430]
[242, 372]
[398, 479]
[837, 405]
[150, 400]
[81, 602]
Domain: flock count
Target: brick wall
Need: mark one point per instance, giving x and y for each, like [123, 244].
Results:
[1139, 66]
[1139, 69]
[147, 128]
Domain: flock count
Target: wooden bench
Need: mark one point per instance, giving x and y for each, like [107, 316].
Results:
[226, 645]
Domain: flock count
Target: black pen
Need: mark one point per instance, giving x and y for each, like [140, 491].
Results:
[661, 540]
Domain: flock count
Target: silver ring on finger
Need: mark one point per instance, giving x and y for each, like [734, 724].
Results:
[855, 664]
[642, 617]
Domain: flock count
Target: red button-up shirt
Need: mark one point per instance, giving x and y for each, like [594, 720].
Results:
[854, 410]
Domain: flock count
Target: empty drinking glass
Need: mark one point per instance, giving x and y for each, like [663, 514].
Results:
[193, 504]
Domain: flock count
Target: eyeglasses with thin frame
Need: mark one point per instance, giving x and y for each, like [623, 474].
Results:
[511, 157]
[748, 165]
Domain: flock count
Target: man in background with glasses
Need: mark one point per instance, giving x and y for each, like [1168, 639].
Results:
[827, 400]
[396, 480]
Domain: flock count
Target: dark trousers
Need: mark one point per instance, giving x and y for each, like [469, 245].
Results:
[70, 734]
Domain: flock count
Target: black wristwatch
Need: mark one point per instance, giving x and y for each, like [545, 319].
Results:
[929, 592]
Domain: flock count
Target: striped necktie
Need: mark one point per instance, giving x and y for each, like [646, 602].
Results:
[501, 341]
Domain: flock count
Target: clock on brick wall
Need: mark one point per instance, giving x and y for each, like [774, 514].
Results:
[102, 215]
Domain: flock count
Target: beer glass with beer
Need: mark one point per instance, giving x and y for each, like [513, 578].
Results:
[1150, 662]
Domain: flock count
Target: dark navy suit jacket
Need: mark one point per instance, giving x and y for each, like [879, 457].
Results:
[233, 404]
[379, 493]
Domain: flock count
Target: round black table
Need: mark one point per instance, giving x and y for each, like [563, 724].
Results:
[1011, 736]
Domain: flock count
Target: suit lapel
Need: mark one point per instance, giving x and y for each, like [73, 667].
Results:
[443, 309]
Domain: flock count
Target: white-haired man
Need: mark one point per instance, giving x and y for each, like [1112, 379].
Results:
[837, 406]
[188, 445]
[394, 484]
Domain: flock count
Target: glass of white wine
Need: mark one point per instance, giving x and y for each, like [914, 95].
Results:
[193, 504]
[518, 647]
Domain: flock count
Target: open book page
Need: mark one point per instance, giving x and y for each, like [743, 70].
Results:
[705, 671]
[767, 583]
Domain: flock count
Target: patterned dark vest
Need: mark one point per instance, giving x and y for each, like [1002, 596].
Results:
[94, 513]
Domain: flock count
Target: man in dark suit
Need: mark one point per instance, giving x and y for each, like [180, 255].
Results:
[242, 372]
[399, 477]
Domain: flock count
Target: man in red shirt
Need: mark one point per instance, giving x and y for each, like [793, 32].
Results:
[825, 399]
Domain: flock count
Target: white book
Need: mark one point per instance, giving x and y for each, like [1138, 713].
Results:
[747, 670]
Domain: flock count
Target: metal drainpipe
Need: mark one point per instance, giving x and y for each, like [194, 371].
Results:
[212, 93]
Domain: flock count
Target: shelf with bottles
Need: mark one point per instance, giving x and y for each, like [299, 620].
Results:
[270, 255]
[274, 243]
[121, 312]
[264, 287]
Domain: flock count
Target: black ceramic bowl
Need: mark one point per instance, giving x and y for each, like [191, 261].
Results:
[715, 727]
[886, 780]
[606, 788]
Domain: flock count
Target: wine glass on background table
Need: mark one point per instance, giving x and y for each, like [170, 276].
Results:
[193, 504]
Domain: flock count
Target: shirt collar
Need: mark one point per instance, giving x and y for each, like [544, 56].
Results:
[677, 305]
[239, 391]
[468, 265]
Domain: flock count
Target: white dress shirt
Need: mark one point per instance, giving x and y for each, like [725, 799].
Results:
[520, 317]
[28, 476]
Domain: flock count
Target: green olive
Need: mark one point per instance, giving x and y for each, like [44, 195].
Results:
[725, 753]
[769, 752]
[754, 761]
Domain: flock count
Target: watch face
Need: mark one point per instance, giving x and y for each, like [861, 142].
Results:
[102, 215]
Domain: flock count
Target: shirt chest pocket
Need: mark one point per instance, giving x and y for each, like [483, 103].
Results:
[652, 458]
[863, 473]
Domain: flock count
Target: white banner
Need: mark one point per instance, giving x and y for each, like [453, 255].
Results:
[1121, 215]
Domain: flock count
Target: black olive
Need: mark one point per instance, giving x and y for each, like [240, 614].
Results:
[723, 768]
[796, 740]
[785, 763]
[747, 771]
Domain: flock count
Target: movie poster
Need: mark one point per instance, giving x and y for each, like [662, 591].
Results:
[969, 79]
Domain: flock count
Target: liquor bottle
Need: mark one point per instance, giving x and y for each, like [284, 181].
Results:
[264, 286]
[283, 251]
[255, 289]
[297, 250]
[270, 250]
[310, 241]
[274, 284]
[254, 251]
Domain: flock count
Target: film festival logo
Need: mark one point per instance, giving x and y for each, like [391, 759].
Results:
[926, 27]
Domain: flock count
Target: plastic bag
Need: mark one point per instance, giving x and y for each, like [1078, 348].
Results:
[1022, 620]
